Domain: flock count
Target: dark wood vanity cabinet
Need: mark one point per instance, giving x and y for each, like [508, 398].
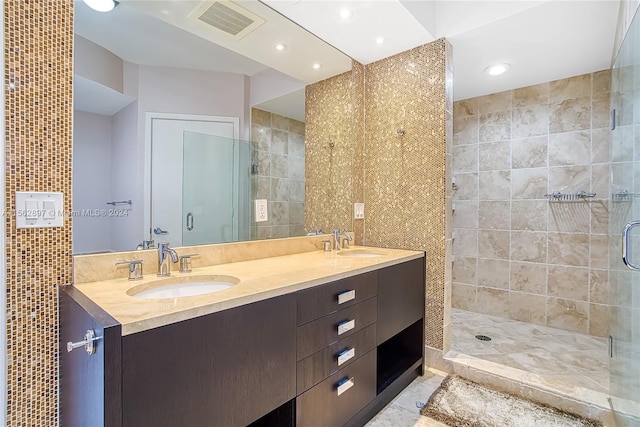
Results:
[90, 385]
[345, 378]
[401, 297]
[224, 369]
[330, 355]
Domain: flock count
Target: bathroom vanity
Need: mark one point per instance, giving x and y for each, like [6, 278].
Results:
[307, 339]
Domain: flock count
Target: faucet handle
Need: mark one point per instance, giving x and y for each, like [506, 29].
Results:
[145, 244]
[135, 268]
[345, 242]
[185, 262]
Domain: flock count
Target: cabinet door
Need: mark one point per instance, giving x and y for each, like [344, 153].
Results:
[400, 297]
[223, 369]
[90, 385]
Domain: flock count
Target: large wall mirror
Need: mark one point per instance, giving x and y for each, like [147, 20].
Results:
[185, 114]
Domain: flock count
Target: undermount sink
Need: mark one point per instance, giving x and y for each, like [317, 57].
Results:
[186, 286]
[360, 253]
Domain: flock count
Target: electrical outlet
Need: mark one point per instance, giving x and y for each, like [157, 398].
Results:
[261, 210]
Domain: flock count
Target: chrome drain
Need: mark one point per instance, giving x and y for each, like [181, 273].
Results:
[483, 338]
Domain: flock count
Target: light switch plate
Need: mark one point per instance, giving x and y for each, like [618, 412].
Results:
[358, 210]
[261, 210]
[39, 209]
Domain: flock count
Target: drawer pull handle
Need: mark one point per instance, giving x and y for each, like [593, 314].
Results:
[345, 355]
[345, 326]
[346, 296]
[345, 385]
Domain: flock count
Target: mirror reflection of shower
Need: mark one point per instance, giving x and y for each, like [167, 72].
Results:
[215, 189]
[200, 181]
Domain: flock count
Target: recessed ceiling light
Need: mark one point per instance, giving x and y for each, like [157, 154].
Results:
[101, 5]
[497, 69]
[380, 40]
[345, 13]
[280, 46]
[316, 66]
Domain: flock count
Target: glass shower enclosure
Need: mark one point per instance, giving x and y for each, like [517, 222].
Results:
[624, 231]
[215, 189]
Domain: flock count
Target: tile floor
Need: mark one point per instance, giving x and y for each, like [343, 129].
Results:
[559, 357]
[403, 412]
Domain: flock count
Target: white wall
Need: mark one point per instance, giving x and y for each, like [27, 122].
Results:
[159, 90]
[97, 64]
[162, 90]
[91, 181]
[270, 84]
[126, 231]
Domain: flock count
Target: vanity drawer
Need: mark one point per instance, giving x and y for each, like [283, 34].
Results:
[318, 366]
[325, 299]
[323, 406]
[316, 335]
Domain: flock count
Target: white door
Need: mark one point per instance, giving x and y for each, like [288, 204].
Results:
[167, 170]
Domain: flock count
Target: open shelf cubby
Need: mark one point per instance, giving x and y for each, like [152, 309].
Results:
[398, 354]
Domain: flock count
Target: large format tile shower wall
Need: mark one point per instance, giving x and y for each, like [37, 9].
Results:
[277, 148]
[517, 254]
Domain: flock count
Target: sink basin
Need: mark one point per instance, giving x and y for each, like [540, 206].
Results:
[179, 287]
[360, 253]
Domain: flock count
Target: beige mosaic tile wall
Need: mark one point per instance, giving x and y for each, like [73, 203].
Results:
[38, 105]
[405, 171]
[330, 135]
[401, 177]
[278, 149]
[517, 255]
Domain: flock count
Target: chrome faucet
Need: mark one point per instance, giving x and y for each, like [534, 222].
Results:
[164, 268]
[336, 239]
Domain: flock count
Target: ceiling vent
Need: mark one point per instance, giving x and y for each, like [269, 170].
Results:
[228, 17]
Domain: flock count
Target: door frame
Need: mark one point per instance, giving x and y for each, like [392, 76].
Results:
[149, 118]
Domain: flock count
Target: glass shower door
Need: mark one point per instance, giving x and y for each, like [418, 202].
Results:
[624, 230]
[209, 193]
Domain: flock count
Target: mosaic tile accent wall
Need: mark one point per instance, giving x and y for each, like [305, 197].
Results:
[517, 254]
[358, 110]
[38, 89]
[278, 150]
[400, 178]
[405, 164]
[329, 153]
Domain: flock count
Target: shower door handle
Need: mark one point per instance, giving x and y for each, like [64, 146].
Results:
[626, 248]
[189, 221]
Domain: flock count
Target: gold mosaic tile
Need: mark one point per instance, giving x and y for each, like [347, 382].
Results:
[400, 177]
[38, 65]
[329, 154]
[405, 164]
